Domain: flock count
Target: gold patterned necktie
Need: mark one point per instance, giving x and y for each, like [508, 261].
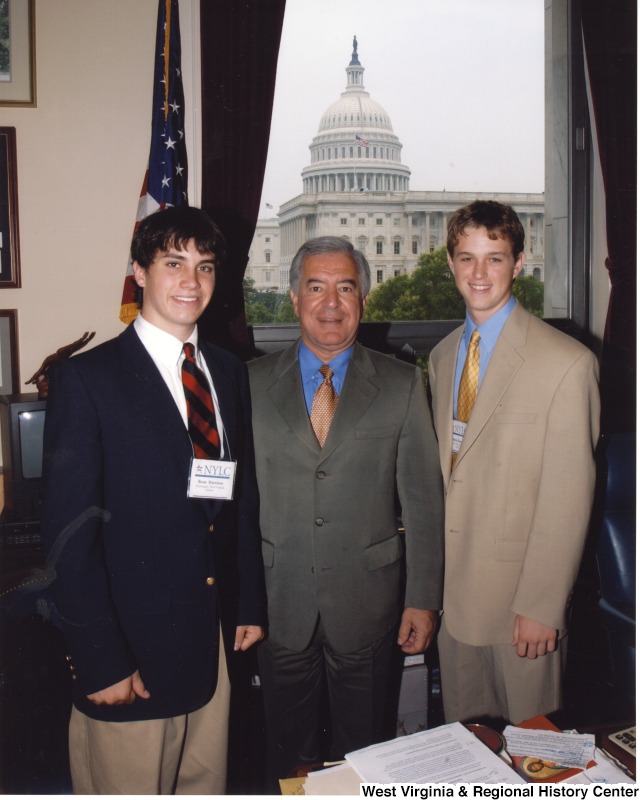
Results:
[324, 404]
[468, 389]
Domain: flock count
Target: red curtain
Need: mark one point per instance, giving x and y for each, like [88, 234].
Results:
[609, 28]
[240, 40]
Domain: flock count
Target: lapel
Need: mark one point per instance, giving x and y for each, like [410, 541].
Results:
[503, 366]
[153, 401]
[444, 411]
[358, 391]
[286, 394]
[151, 397]
[224, 388]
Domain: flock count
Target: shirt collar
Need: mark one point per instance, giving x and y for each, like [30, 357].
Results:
[490, 329]
[310, 364]
[163, 346]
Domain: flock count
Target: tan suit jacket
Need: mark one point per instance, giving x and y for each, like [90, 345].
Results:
[518, 500]
[330, 539]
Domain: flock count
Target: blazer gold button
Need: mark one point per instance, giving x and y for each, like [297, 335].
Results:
[319, 522]
[210, 581]
[212, 528]
[320, 475]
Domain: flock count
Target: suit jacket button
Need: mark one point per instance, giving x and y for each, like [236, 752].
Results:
[319, 522]
[212, 528]
[210, 581]
[320, 475]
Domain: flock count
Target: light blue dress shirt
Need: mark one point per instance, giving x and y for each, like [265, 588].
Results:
[311, 378]
[489, 332]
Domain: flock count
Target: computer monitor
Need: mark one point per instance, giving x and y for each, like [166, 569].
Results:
[21, 428]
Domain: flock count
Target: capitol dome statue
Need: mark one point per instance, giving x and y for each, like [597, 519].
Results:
[355, 148]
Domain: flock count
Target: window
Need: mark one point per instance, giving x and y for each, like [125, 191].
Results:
[396, 248]
[267, 238]
[267, 257]
[379, 276]
[396, 272]
[563, 92]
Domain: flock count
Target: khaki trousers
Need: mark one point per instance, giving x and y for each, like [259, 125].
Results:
[181, 755]
[493, 681]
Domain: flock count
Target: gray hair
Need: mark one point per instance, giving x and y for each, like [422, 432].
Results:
[330, 244]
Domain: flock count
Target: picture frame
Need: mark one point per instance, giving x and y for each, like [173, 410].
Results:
[17, 53]
[10, 277]
[9, 363]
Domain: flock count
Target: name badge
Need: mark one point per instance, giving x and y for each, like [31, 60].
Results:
[458, 434]
[211, 480]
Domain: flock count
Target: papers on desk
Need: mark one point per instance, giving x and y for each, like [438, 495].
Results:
[448, 754]
[568, 749]
[452, 754]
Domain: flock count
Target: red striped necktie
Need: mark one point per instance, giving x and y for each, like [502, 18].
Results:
[201, 415]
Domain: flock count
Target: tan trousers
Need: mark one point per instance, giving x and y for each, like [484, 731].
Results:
[494, 681]
[181, 755]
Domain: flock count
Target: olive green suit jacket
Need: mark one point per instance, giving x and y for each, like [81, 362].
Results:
[328, 516]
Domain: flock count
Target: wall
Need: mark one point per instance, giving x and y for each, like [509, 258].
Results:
[82, 154]
[81, 159]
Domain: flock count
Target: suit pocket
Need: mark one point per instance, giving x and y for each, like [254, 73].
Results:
[375, 433]
[268, 553]
[383, 553]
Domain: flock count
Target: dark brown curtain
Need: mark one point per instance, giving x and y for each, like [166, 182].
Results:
[609, 28]
[240, 40]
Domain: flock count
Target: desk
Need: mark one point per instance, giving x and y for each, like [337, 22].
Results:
[420, 758]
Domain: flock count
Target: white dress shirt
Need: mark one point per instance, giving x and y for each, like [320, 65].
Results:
[168, 355]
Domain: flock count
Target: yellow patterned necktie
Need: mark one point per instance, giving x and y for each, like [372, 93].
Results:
[324, 404]
[468, 389]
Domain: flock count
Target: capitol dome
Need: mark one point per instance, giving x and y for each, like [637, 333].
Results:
[355, 148]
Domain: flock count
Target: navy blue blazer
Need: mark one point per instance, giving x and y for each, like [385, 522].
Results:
[141, 574]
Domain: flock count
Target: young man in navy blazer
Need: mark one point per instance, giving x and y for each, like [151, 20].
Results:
[144, 576]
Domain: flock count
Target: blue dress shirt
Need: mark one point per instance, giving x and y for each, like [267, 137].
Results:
[311, 378]
[489, 332]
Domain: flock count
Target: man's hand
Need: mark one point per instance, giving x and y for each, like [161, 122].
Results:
[246, 635]
[417, 629]
[124, 692]
[533, 639]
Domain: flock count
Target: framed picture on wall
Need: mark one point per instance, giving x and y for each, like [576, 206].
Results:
[9, 365]
[17, 53]
[9, 228]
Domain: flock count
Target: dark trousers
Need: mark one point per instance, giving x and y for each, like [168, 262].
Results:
[293, 690]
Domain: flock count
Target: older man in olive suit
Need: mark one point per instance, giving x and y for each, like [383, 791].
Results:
[332, 552]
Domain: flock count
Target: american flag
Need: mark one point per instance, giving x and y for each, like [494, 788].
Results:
[165, 180]
[362, 142]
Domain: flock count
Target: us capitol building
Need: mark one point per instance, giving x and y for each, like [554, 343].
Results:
[357, 187]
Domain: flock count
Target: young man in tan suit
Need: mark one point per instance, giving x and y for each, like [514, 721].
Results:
[517, 456]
